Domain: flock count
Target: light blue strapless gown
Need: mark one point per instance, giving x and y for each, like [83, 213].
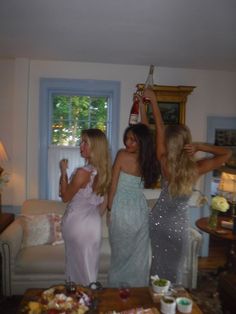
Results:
[129, 234]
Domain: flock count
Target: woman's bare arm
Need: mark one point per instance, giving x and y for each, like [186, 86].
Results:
[159, 124]
[79, 180]
[219, 156]
[143, 112]
[114, 181]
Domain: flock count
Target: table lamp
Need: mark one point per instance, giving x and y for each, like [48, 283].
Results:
[3, 157]
[227, 187]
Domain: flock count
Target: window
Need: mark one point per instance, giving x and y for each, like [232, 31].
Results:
[71, 114]
[67, 107]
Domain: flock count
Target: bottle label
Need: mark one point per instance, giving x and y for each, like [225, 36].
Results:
[133, 119]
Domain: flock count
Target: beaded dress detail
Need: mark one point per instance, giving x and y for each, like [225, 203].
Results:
[169, 233]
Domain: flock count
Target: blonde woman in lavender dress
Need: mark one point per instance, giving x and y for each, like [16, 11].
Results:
[87, 201]
[169, 221]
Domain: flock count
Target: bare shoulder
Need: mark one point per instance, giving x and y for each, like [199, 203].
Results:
[121, 152]
[123, 156]
[82, 175]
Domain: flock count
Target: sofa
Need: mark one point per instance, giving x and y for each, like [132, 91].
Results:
[33, 253]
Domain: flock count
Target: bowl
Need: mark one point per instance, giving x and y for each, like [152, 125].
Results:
[184, 305]
[161, 285]
[168, 305]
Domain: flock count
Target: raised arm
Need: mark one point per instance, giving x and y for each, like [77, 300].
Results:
[219, 156]
[143, 112]
[79, 180]
[159, 124]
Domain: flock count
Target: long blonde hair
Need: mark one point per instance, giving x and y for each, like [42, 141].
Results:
[99, 158]
[181, 168]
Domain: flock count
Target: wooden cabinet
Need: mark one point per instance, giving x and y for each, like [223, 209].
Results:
[171, 101]
[5, 220]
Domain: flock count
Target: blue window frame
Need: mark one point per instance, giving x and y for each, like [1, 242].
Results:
[93, 88]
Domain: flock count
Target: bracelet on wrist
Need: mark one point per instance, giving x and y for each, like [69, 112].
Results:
[63, 178]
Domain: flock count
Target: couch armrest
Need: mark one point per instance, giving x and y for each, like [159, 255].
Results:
[12, 236]
[196, 242]
[10, 244]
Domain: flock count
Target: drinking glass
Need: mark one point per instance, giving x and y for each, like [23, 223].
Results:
[124, 291]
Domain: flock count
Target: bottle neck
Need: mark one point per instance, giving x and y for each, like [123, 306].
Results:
[149, 80]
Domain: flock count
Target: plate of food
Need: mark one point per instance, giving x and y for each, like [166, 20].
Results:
[56, 300]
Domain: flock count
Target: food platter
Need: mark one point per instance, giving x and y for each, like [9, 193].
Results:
[57, 299]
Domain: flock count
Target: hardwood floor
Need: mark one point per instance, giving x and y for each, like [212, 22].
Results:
[217, 255]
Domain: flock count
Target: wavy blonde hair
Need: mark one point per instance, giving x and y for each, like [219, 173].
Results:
[99, 158]
[181, 167]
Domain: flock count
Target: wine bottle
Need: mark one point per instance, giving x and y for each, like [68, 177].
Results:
[134, 112]
[149, 82]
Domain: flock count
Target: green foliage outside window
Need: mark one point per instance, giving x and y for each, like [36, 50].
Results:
[71, 114]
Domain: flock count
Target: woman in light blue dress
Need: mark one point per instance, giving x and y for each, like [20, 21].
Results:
[135, 167]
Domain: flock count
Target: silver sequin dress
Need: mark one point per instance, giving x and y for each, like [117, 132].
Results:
[169, 233]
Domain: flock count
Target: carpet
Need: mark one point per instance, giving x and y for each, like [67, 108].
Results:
[10, 305]
[206, 296]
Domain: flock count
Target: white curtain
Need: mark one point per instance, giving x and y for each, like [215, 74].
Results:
[55, 154]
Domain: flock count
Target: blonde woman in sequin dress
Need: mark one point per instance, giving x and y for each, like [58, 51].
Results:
[169, 221]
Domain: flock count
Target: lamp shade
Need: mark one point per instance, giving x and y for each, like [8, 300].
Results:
[227, 185]
[3, 154]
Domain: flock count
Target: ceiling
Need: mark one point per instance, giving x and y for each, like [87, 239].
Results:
[198, 34]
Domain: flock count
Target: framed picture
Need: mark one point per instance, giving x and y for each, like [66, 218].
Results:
[226, 138]
[171, 101]
[221, 131]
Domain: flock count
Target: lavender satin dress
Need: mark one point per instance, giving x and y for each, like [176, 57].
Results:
[82, 231]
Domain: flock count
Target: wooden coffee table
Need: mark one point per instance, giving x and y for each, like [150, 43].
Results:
[109, 300]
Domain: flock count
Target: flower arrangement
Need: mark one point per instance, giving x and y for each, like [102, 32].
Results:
[218, 204]
[4, 179]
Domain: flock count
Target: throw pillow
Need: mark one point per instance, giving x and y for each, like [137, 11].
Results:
[56, 234]
[37, 229]
[41, 229]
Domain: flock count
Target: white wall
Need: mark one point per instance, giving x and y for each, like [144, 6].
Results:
[6, 118]
[215, 94]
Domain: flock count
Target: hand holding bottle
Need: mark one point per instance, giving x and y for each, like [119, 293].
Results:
[150, 95]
